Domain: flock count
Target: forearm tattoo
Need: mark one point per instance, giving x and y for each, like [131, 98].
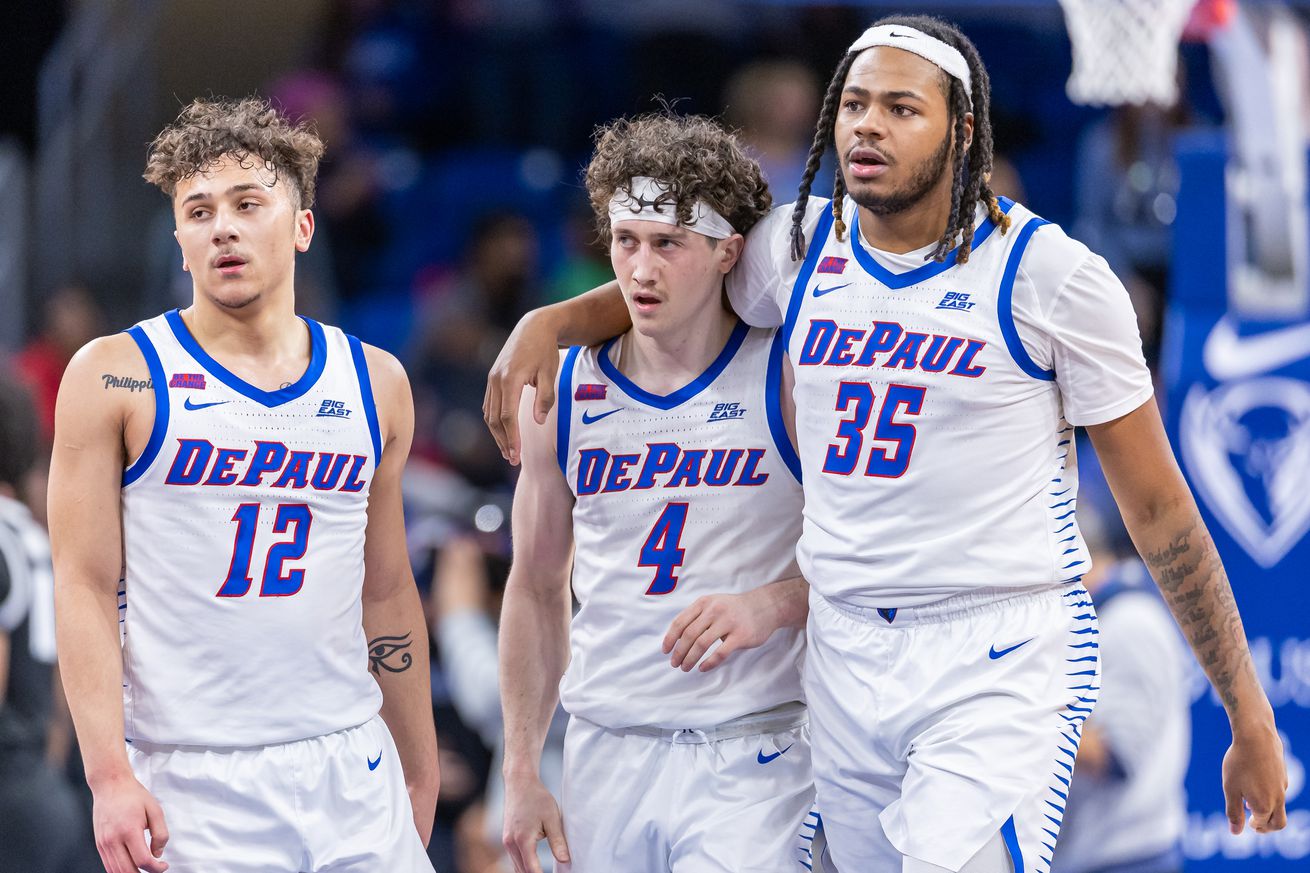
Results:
[1192, 578]
[388, 653]
[129, 382]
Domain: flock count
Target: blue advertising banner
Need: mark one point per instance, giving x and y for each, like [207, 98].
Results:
[1237, 407]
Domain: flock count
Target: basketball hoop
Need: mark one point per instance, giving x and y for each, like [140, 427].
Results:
[1125, 51]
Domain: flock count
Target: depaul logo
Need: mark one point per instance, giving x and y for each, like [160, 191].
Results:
[1247, 447]
[333, 409]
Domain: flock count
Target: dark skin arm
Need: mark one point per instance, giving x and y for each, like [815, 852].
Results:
[1171, 537]
[531, 357]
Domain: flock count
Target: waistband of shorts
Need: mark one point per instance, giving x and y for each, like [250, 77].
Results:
[957, 605]
[153, 747]
[792, 714]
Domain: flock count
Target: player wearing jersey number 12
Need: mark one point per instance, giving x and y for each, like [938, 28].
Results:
[229, 547]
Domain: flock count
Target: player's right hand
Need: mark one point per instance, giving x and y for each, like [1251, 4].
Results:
[530, 357]
[531, 815]
[123, 810]
[1255, 779]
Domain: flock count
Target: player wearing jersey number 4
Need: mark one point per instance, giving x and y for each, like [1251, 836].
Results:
[945, 344]
[225, 513]
[663, 485]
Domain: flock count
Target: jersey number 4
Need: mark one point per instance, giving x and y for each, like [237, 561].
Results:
[277, 581]
[661, 549]
[858, 399]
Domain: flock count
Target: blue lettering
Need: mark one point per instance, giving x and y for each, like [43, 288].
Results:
[267, 457]
[906, 355]
[353, 482]
[964, 366]
[617, 480]
[940, 351]
[749, 473]
[841, 350]
[882, 337]
[328, 472]
[660, 458]
[222, 473]
[190, 463]
[688, 472]
[296, 473]
[591, 470]
[723, 463]
[817, 341]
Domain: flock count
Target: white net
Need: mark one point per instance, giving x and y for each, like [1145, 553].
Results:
[1125, 51]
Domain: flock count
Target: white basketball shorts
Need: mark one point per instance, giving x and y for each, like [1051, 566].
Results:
[937, 726]
[725, 800]
[330, 804]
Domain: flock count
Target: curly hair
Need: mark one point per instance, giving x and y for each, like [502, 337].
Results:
[973, 166]
[694, 155]
[249, 130]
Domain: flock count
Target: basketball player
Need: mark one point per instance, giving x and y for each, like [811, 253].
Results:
[945, 344]
[663, 485]
[225, 501]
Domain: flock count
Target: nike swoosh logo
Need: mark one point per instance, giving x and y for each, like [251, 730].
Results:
[194, 406]
[592, 419]
[764, 759]
[819, 292]
[895, 35]
[993, 654]
[373, 763]
[1229, 356]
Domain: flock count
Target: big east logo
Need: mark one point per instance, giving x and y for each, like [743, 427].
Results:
[333, 409]
[726, 411]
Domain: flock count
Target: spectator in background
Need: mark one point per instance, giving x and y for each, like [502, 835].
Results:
[586, 259]
[772, 104]
[464, 602]
[70, 320]
[1126, 810]
[40, 822]
[467, 318]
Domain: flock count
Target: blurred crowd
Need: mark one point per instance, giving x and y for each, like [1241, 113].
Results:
[433, 239]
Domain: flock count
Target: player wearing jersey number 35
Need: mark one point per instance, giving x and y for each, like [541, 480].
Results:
[664, 488]
[240, 636]
[946, 343]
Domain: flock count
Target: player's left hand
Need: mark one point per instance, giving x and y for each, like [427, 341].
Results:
[737, 619]
[1255, 779]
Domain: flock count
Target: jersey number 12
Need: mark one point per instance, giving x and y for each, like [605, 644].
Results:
[277, 581]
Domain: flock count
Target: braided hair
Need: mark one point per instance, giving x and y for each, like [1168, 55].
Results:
[972, 168]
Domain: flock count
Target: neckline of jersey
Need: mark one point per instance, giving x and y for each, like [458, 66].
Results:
[317, 359]
[686, 392]
[896, 280]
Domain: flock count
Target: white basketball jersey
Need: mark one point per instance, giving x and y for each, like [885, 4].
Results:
[243, 537]
[676, 496]
[936, 453]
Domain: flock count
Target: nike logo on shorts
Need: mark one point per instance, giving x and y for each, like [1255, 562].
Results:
[819, 292]
[592, 419]
[993, 654]
[194, 406]
[764, 759]
[373, 762]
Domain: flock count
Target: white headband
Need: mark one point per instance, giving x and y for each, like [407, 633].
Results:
[927, 47]
[638, 204]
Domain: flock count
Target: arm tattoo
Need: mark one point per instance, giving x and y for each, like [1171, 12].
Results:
[1193, 582]
[128, 382]
[388, 653]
